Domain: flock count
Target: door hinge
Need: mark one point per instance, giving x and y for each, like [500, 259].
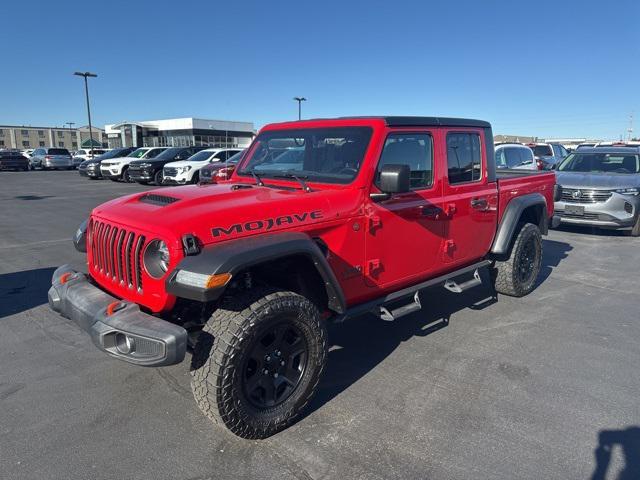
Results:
[449, 246]
[374, 223]
[373, 267]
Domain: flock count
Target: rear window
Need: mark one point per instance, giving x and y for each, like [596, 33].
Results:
[58, 151]
[542, 151]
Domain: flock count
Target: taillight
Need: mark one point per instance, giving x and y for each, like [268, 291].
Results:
[540, 164]
[224, 173]
[48, 157]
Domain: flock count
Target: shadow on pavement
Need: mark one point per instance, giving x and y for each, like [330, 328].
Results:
[588, 230]
[20, 291]
[629, 441]
[360, 344]
[553, 252]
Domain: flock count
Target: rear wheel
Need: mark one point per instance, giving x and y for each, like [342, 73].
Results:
[516, 276]
[157, 178]
[258, 361]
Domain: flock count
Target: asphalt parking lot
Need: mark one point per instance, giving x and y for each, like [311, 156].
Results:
[546, 386]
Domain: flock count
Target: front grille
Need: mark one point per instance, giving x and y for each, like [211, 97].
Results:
[170, 172]
[578, 195]
[117, 253]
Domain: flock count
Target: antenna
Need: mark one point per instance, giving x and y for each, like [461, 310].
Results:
[630, 129]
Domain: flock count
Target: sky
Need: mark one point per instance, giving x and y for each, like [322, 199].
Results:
[541, 68]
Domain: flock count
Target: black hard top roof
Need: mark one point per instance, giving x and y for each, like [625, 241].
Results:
[394, 121]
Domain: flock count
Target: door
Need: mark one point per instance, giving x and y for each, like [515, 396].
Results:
[470, 201]
[404, 232]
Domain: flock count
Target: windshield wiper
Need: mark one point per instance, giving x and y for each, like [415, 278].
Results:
[298, 178]
[257, 178]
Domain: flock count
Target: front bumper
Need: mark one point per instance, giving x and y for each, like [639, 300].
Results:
[144, 175]
[110, 172]
[174, 181]
[127, 333]
[90, 172]
[619, 211]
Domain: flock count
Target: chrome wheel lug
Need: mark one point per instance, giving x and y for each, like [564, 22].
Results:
[265, 371]
[282, 363]
[268, 358]
[275, 375]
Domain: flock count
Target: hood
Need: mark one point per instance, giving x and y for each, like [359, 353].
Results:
[118, 159]
[220, 212]
[187, 163]
[610, 181]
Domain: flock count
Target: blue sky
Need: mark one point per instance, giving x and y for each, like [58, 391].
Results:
[546, 68]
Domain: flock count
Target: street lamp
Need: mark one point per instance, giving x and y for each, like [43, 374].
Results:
[300, 100]
[86, 91]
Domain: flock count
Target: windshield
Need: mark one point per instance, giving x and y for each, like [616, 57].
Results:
[138, 153]
[168, 154]
[111, 154]
[201, 156]
[601, 163]
[330, 155]
[542, 151]
[58, 151]
[233, 159]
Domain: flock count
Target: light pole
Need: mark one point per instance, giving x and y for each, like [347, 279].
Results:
[86, 91]
[300, 100]
[70, 124]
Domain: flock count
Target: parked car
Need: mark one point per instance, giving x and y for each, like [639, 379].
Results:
[27, 152]
[600, 188]
[86, 154]
[257, 268]
[117, 169]
[51, 158]
[516, 156]
[150, 169]
[549, 154]
[13, 160]
[188, 171]
[91, 168]
[220, 171]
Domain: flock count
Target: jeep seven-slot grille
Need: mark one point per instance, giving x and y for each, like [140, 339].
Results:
[117, 253]
[578, 195]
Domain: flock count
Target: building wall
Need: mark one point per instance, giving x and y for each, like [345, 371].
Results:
[34, 137]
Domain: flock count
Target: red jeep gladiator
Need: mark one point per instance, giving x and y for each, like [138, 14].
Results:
[322, 220]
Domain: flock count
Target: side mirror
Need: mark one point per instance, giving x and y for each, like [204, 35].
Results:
[395, 178]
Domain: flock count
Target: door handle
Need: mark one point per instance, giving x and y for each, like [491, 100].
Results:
[479, 203]
[430, 212]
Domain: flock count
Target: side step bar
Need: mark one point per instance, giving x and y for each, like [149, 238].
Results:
[454, 287]
[378, 305]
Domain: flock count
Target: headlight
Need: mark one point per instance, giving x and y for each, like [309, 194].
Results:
[80, 238]
[144, 165]
[184, 169]
[156, 258]
[628, 191]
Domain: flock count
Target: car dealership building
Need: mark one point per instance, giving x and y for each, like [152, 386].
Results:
[177, 132]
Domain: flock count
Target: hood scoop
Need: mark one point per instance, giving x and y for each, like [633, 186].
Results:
[155, 199]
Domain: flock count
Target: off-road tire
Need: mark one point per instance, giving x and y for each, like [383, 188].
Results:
[505, 273]
[223, 347]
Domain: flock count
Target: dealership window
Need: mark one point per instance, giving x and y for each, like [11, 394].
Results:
[60, 134]
[25, 144]
[41, 144]
[41, 133]
[1, 143]
[74, 144]
[25, 133]
[413, 149]
[61, 144]
[463, 157]
[1, 132]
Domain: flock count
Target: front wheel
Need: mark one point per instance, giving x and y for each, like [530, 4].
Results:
[126, 178]
[635, 230]
[258, 361]
[157, 178]
[516, 276]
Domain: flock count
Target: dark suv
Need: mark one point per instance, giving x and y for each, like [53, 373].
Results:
[150, 170]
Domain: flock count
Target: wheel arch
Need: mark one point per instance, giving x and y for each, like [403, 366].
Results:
[530, 208]
[291, 260]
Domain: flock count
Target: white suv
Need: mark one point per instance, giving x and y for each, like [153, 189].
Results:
[118, 168]
[188, 171]
[516, 156]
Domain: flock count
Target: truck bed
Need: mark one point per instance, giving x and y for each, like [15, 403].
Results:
[514, 183]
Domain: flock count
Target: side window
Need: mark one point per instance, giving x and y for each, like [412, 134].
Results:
[413, 149]
[556, 151]
[526, 156]
[222, 156]
[563, 151]
[463, 157]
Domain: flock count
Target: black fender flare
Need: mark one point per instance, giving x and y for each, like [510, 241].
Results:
[235, 256]
[511, 217]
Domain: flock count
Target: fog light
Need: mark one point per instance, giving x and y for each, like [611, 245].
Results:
[125, 344]
[628, 207]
